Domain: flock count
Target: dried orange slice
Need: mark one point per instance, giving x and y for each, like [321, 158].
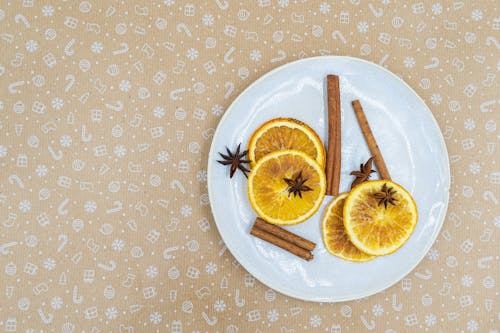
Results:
[286, 187]
[379, 216]
[285, 133]
[334, 236]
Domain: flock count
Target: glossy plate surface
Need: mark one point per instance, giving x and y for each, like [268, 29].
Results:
[411, 143]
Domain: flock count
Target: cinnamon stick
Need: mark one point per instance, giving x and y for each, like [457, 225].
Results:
[370, 140]
[275, 240]
[284, 234]
[334, 137]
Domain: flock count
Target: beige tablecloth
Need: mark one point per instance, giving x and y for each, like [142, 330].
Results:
[106, 116]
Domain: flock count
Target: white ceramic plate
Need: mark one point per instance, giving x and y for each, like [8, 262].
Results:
[410, 141]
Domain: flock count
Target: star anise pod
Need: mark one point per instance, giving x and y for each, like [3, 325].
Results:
[363, 174]
[385, 196]
[236, 160]
[296, 185]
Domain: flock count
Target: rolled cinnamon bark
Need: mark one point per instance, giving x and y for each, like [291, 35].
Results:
[370, 140]
[284, 234]
[334, 136]
[292, 248]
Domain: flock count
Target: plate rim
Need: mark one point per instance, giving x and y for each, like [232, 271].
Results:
[253, 270]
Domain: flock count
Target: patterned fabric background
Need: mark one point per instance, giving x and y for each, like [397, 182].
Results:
[107, 110]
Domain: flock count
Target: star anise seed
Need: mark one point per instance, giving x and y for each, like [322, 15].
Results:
[363, 174]
[385, 196]
[296, 185]
[236, 160]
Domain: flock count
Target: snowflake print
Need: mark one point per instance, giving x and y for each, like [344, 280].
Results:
[47, 11]
[362, 27]
[90, 206]
[409, 62]
[255, 55]
[467, 280]
[24, 206]
[111, 313]
[186, 210]
[124, 85]
[97, 47]
[474, 168]
[151, 272]
[118, 245]
[41, 170]
[315, 321]
[433, 254]
[430, 319]
[324, 8]
[192, 54]
[3, 151]
[273, 315]
[208, 19]
[158, 112]
[155, 317]
[217, 110]
[169, 2]
[469, 124]
[57, 103]
[120, 150]
[65, 140]
[377, 310]
[31, 45]
[283, 3]
[477, 15]
[472, 326]
[437, 9]
[49, 264]
[219, 305]
[201, 176]
[211, 268]
[436, 99]
[162, 156]
[56, 303]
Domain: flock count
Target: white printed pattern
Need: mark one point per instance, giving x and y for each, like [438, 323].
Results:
[106, 118]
